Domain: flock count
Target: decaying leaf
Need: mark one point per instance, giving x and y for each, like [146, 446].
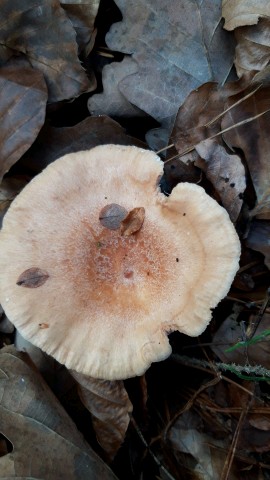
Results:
[110, 407]
[226, 172]
[254, 141]
[82, 13]
[53, 143]
[133, 222]
[243, 12]
[43, 32]
[23, 97]
[46, 443]
[176, 49]
[32, 278]
[112, 215]
[258, 238]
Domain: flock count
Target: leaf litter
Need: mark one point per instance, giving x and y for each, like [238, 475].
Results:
[204, 412]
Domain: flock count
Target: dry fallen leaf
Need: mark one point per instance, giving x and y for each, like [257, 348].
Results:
[112, 215]
[82, 14]
[133, 222]
[258, 238]
[32, 278]
[243, 12]
[53, 143]
[110, 407]
[46, 443]
[23, 97]
[254, 140]
[253, 47]
[226, 172]
[42, 31]
[176, 45]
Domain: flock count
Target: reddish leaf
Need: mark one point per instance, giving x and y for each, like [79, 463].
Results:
[110, 407]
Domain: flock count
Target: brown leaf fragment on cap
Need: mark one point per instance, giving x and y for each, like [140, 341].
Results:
[111, 216]
[133, 221]
[32, 278]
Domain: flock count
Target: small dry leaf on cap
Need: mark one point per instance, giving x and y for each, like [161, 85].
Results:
[111, 299]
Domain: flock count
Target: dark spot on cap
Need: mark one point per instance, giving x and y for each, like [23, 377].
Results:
[177, 259]
[232, 185]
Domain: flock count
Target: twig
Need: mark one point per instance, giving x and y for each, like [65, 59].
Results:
[136, 427]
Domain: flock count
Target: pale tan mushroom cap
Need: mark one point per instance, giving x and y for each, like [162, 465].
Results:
[110, 300]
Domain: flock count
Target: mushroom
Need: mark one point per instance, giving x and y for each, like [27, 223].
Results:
[101, 300]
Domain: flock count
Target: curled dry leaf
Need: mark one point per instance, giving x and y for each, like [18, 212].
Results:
[34, 28]
[23, 98]
[82, 14]
[112, 215]
[32, 278]
[133, 222]
[46, 443]
[252, 51]
[110, 407]
[243, 12]
[53, 143]
[175, 39]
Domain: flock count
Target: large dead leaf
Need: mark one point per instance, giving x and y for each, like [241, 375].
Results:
[23, 97]
[177, 46]
[82, 13]
[243, 12]
[111, 101]
[53, 143]
[110, 407]
[43, 32]
[46, 443]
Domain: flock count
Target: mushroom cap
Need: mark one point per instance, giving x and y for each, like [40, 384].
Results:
[108, 301]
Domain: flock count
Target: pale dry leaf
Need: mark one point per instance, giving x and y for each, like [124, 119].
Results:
[43, 32]
[82, 14]
[252, 51]
[226, 172]
[23, 98]
[46, 443]
[133, 222]
[176, 45]
[110, 408]
[53, 143]
[243, 12]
